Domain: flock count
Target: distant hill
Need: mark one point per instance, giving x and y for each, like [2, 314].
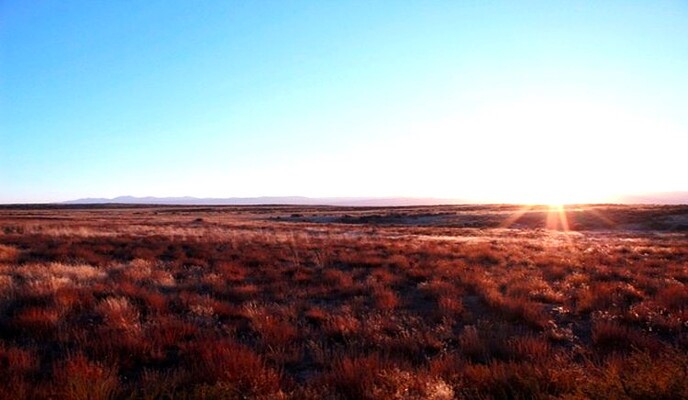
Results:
[656, 198]
[269, 200]
[650, 198]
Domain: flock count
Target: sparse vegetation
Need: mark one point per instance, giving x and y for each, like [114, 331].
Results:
[328, 303]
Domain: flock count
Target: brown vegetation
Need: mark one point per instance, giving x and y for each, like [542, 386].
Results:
[248, 302]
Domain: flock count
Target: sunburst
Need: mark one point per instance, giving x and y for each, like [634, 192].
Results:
[557, 217]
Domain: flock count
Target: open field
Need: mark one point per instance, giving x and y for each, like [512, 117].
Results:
[288, 302]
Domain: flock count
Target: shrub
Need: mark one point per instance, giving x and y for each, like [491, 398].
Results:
[235, 367]
[78, 378]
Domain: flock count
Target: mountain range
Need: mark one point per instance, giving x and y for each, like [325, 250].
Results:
[269, 200]
[650, 198]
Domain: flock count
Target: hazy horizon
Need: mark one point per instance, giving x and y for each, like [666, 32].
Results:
[667, 198]
[501, 102]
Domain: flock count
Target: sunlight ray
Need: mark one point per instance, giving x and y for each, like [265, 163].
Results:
[596, 213]
[516, 216]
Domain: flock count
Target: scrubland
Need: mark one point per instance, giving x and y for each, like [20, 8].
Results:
[327, 303]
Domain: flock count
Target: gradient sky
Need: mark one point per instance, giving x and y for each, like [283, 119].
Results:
[486, 101]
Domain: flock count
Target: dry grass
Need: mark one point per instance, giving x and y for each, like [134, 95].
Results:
[155, 303]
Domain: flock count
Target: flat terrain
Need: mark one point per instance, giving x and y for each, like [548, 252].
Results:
[288, 302]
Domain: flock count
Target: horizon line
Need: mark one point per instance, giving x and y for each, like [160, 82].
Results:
[661, 198]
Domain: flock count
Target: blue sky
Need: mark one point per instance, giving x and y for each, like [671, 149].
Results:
[485, 101]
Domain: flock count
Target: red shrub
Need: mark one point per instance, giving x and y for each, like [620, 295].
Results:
[611, 336]
[355, 377]
[78, 378]
[225, 361]
[674, 297]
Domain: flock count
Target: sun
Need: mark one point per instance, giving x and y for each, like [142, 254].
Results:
[556, 216]
[552, 195]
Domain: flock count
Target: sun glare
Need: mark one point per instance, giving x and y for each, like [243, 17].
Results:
[557, 219]
[541, 148]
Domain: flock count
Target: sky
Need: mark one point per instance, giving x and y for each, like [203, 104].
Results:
[552, 101]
